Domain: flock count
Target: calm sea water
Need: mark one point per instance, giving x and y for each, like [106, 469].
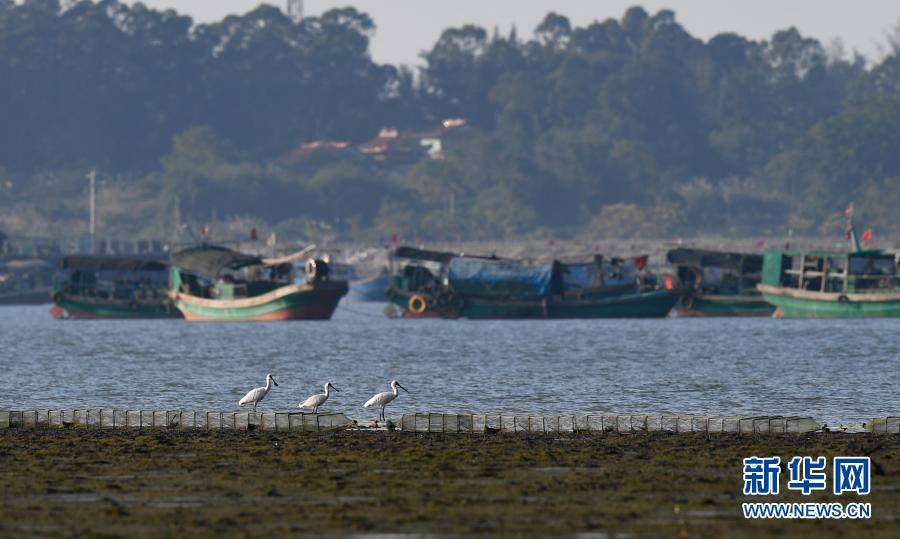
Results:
[835, 371]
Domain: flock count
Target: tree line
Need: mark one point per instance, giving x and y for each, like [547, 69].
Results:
[623, 127]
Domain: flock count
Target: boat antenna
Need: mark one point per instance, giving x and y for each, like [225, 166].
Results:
[851, 230]
[92, 177]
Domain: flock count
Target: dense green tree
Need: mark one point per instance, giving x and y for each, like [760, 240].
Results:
[571, 129]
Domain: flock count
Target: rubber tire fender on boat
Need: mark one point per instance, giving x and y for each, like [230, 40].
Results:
[417, 304]
[686, 302]
[843, 299]
[57, 297]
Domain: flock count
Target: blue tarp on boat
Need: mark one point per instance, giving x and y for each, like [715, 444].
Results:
[578, 276]
[484, 277]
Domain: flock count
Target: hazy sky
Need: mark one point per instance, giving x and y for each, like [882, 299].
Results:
[407, 27]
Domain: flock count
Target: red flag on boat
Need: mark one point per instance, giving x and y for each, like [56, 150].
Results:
[254, 234]
[641, 262]
[204, 231]
[393, 240]
[849, 211]
[867, 235]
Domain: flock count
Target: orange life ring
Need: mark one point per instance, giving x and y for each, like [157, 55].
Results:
[417, 304]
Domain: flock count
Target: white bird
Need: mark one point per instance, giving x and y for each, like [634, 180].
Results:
[319, 399]
[255, 395]
[383, 399]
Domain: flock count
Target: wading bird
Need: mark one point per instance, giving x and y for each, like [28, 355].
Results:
[383, 399]
[255, 395]
[318, 400]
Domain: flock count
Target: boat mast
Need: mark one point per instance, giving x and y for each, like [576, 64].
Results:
[851, 231]
[92, 176]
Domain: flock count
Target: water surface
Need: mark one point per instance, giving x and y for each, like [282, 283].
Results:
[833, 370]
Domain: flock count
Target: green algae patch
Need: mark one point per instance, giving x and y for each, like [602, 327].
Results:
[63, 482]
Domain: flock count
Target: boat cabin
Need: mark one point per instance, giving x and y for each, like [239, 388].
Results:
[114, 278]
[846, 273]
[417, 270]
[214, 272]
[23, 276]
[715, 272]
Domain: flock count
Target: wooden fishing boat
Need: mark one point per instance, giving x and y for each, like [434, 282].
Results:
[113, 287]
[717, 283]
[370, 288]
[820, 284]
[211, 283]
[445, 285]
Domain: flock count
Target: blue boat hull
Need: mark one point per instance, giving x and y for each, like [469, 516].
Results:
[371, 289]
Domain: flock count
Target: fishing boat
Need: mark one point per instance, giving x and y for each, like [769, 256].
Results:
[447, 285]
[717, 283]
[370, 288]
[211, 283]
[26, 281]
[113, 287]
[821, 284]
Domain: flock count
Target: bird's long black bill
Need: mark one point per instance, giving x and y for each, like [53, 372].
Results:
[403, 388]
[274, 382]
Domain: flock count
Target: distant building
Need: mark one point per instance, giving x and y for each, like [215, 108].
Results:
[318, 151]
[392, 148]
[446, 138]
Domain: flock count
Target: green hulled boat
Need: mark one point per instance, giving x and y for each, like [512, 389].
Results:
[445, 285]
[113, 287]
[212, 283]
[820, 284]
[717, 283]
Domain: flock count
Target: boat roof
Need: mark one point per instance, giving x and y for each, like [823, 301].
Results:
[864, 253]
[413, 253]
[211, 259]
[25, 264]
[112, 263]
[722, 259]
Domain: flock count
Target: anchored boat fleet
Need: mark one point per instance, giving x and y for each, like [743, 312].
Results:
[212, 284]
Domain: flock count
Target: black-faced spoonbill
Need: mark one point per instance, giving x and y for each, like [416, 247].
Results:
[318, 400]
[383, 399]
[255, 395]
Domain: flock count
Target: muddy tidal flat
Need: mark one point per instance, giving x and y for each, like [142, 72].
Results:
[63, 482]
